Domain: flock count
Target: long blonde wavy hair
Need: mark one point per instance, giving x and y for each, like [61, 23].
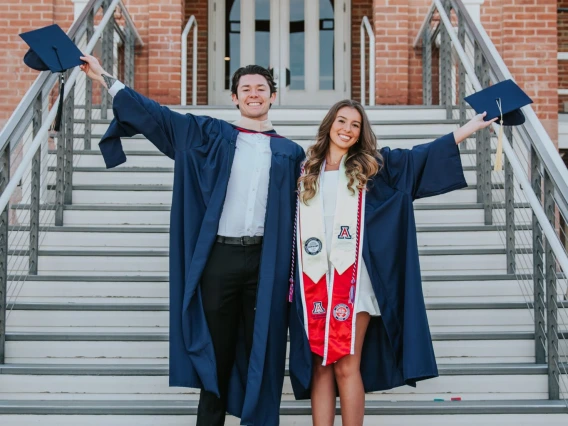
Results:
[363, 159]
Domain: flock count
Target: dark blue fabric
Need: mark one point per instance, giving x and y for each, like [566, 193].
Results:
[398, 347]
[203, 149]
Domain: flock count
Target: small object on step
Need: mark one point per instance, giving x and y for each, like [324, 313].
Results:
[456, 398]
[439, 399]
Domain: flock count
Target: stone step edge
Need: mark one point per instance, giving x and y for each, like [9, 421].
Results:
[164, 336]
[165, 229]
[164, 207]
[513, 369]
[125, 407]
[161, 307]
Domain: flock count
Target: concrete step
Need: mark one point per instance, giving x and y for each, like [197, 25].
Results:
[300, 113]
[114, 347]
[164, 176]
[295, 128]
[117, 193]
[136, 289]
[155, 261]
[182, 413]
[156, 214]
[143, 382]
[145, 317]
[95, 237]
[149, 157]
[400, 140]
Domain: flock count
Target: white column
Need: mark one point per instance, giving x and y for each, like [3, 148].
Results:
[474, 9]
[79, 5]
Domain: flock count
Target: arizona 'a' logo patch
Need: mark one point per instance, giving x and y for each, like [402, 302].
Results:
[318, 309]
[344, 234]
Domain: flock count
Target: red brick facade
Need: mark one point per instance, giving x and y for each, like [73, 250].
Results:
[525, 33]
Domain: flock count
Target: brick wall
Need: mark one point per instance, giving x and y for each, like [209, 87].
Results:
[164, 47]
[562, 47]
[359, 8]
[15, 77]
[198, 8]
[529, 49]
[391, 20]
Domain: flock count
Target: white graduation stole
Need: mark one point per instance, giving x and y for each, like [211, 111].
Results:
[329, 289]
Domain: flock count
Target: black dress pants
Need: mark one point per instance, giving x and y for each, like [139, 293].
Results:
[228, 292]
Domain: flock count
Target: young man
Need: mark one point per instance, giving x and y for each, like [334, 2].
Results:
[230, 242]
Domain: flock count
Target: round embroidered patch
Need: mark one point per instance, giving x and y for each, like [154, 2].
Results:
[313, 246]
[341, 312]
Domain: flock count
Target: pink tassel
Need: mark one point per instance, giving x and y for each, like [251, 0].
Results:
[291, 291]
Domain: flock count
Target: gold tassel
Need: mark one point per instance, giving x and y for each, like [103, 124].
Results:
[499, 155]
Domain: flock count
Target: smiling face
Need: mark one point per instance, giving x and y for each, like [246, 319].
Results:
[253, 97]
[345, 129]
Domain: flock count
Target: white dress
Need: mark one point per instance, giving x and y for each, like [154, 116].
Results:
[367, 302]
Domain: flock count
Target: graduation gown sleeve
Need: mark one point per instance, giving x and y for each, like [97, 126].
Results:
[426, 170]
[169, 131]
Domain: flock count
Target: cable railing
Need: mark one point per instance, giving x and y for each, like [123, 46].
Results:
[366, 28]
[36, 164]
[192, 22]
[526, 201]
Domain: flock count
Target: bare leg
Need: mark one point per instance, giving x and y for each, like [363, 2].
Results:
[323, 393]
[348, 375]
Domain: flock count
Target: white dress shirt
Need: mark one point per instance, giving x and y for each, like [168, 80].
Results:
[245, 204]
[247, 192]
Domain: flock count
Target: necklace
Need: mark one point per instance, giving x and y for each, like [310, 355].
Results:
[332, 162]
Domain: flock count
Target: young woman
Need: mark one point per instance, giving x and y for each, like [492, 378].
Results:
[358, 321]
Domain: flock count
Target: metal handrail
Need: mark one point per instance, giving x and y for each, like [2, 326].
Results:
[28, 157]
[549, 231]
[25, 139]
[533, 176]
[366, 27]
[542, 143]
[191, 22]
[13, 127]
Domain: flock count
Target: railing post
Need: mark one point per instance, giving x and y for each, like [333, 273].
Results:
[462, 76]
[107, 58]
[69, 117]
[426, 67]
[89, 89]
[478, 135]
[551, 297]
[510, 209]
[538, 268]
[483, 147]
[35, 191]
[4, 179]
[129, 57]
[446, 65]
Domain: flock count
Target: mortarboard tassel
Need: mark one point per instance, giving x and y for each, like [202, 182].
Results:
[499, 154]
[57, 122]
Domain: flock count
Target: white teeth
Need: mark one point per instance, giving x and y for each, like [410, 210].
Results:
[254, 104]
[345, 138]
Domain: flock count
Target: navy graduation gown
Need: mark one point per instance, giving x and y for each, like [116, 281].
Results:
[398, 346]
[203, 149]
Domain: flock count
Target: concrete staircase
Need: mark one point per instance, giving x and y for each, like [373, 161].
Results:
[87, 336]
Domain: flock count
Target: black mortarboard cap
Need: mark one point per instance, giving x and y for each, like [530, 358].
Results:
[511, 97]
[51, 49]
